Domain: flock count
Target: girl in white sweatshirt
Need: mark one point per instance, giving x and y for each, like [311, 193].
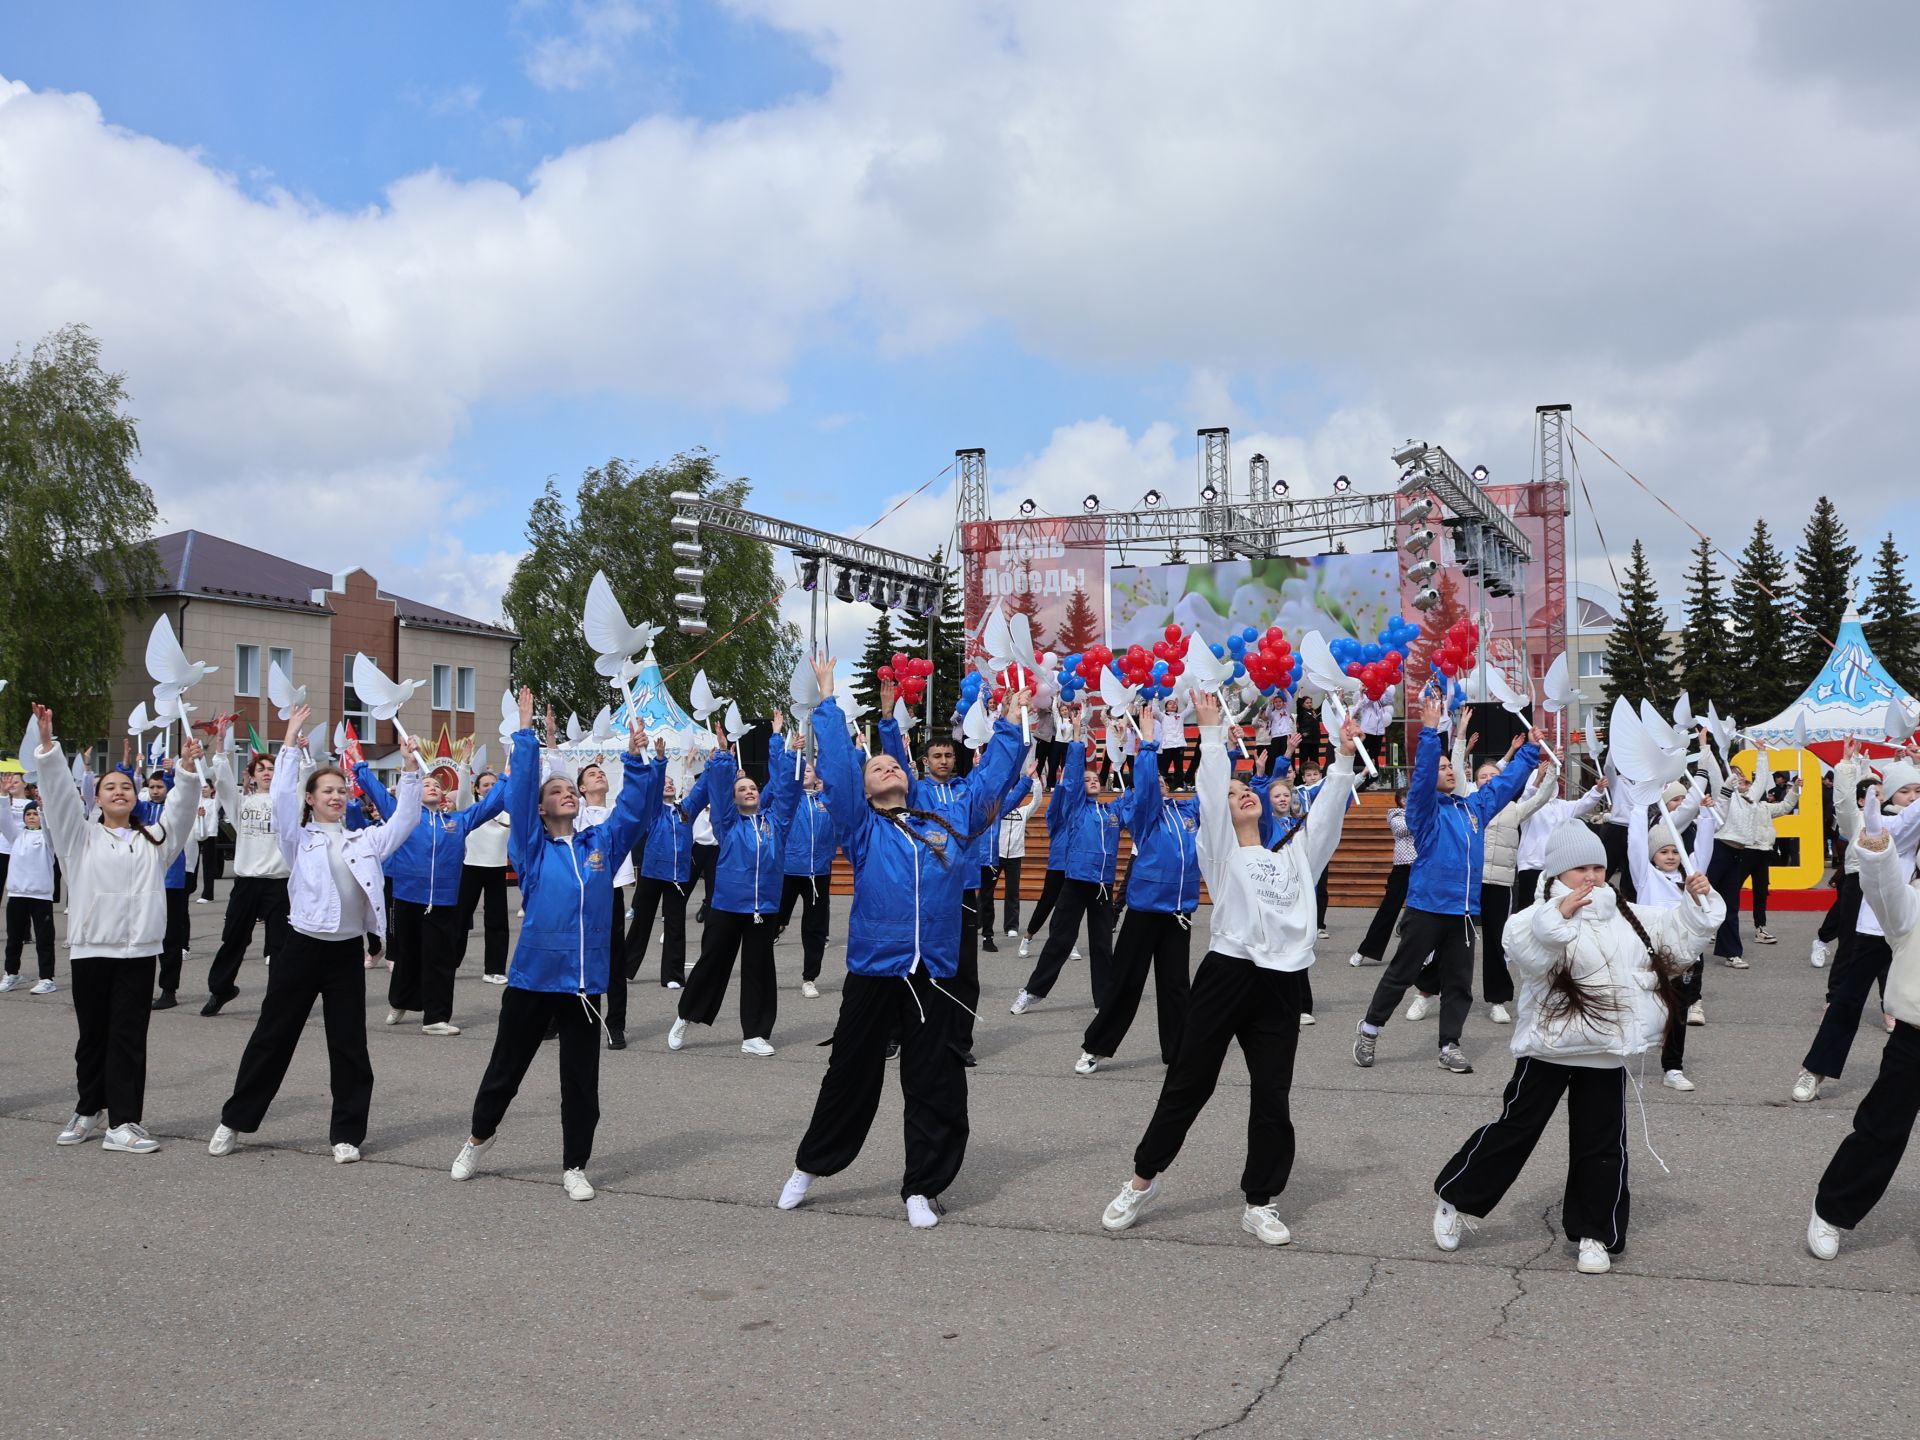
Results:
[259, 893]
[116, 920]
[29, 892]
[1597, 986]
[335, 893]
[1250, 985]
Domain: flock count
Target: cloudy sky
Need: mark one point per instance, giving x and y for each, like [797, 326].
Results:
[411, 260]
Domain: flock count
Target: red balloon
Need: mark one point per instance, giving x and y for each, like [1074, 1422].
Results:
[1180, 650]
[885, 672]
[1176, 667]
[1161, 650]
[1275, 634]
[1353, 668]
[1173, 633]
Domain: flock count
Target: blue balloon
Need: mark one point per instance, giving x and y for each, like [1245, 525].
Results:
[1238, 670]
[1250, 635]
[1219, 651]
[1237, 645]
[1159, 669]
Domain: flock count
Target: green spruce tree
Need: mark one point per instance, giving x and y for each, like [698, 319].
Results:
[881, 643]
[1765, 680]
[1638, 664]
[1892, 627]
[1825, 562]
[1705, 663]
[1081, 629]
[945, 630]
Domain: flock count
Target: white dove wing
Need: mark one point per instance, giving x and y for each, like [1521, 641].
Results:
[605, 623]
[1658, 730]
[339, 737]
[1208, 671]
[1683, 714]
[1898, 723]
[737, 727]
[1557, 688]
[1020, 632]
[603, 724]
[573, 727]
[317, 740]
[701, 697]
[1800, 731]
[804, 687]
[853, 708]
[1319, 665]
[1116, 694]
[167, 663]
[1510, 700]
[509, 717]
[1637, 753]
[139, 722]
[977, 727]
[904, 718]
[997, 639]
[286, 697]
[479, 759]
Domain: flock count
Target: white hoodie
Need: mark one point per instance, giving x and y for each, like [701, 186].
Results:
[116, 879]
[256, 850]
[30, 872]
[1263, 904]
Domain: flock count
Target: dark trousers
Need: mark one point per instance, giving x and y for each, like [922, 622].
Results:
[705, 857]
[24, 915]
[1596, 1204]
[1320, 901]
[965, 984]
[727, 937]
[1052, 755]
[1496, 985]
[525, 1016]
[1449, 940]
[649, 896]
[1232, 1000]
[213, 864]
[1613, 839]
[1729, 870]
[1149, 940]
[1079, 899]
[1526, 887]
[426, 953]
[1174, 769]
[112, 1001]
[875, 1010]
[1050, 884]
[305, 970]
[1863, 1166]
[1673, 1051]
[1844, 913]
[810, 893]
[1007, 869]
[1374, 945]
[1851, 976]
[614, 1006]
[488, 883]
[252, 901]
[179, 935]
[1762, 886]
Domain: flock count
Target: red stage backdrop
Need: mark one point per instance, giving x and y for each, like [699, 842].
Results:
[1052, 571]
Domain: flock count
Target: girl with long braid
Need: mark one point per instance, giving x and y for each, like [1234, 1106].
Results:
[903, 941]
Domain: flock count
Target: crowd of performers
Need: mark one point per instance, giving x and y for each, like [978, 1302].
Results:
[1593, 931]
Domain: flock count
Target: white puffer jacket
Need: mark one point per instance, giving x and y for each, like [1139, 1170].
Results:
[1606, 958]
[1885, 881]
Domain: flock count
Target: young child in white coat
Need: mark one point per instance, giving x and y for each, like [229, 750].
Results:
[28, 892]
[1597, 987]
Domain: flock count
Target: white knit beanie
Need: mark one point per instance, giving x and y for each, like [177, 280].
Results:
[1574, 844]
[1676, 790]
[1897, 775]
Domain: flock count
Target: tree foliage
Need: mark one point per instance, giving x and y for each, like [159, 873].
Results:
[1892, 627]
[1081, 627]
[75, 533]
[618, 523]
[1706, 665]
[1765, 682]
[1825, 562]
[1638, 665]
[881, 643]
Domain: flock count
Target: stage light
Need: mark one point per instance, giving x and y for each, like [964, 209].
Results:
[692, 604]
[1027, 507]
[1208, 494]
[1417, 542]
[1409, 453]
[687, 550]
[1423, 572]
[1341, 484]
[1480, 473]
[844, 590]
[688, 575]
[692, 625]
[1426, 599]
[1280, 487]
[810, 573]
[1091, 503]
[1416, 512]
[929, 600]
[896, 594]
[863, 587]
[913, 598]
[1151, 498]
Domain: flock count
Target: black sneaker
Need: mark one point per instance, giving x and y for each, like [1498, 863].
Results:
[164, 1000]
[617, 1040]
[216, 1003]
[986, 943]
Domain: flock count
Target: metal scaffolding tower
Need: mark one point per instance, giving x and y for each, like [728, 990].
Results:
[972, 485]
[1216, 485]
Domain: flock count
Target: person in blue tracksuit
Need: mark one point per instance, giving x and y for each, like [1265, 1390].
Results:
[950, 796]
[1443, 887]
[666, 879]
[903, 952]
[989, 843]
[426, 872]
[751, 826]
[1056, 872]
[806, 875]
[558, 974]
[1090, 827]
[1163, 891]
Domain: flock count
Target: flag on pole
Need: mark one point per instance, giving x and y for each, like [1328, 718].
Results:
[253, 740]
[354, 757]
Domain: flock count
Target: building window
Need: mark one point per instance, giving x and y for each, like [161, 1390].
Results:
[246, 669]
[1593, 665]
[443, 687]
[464, 689]
[351, 710]
[283, 657]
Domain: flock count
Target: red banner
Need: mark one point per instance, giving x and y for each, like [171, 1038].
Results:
[1052, 571]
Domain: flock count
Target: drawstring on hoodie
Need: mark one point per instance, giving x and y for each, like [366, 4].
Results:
[1646, 1131]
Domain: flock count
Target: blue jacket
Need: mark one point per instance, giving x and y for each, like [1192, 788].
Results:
[951, 800]
[1451, 832]
[566, 881]
[907, 875]
[374, 796]
[145, 812]
[748, 874]
[668, 853]
[425, 870]
[1165, 877]
[810, 842]
[1091, 829]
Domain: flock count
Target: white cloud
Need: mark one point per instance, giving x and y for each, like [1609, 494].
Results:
[593, 46]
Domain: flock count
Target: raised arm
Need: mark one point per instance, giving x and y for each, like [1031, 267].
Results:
[225, 787]
[377, 794]
[1144, 809]
[1532, 801]
[1503, 789]
[840, 776]
[1640, 851]
[1463, 785]
[719, 776]
[285, 795]
[523, 797]
[1846, 800]
[474, 815]
[636, 806]
[10, 827]
[1884, 881]
[1212, 779]
[1423, 801]
[781, 797]
[893, 746]
[1325, 820]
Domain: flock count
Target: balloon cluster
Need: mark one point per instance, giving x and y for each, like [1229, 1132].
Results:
[1456, 652]
[908, 674]
[1265, 659]
[1154, 670]
[1378, 665]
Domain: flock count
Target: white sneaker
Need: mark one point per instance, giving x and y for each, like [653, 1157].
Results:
[677, 1036]
[1074, 954]
[10, 982]
[394, 1017]
[1356, 959]
[1023, 947]
[754, 1045]
[130, 1139]
[673, 984]
[1324, 932]
[1306, 1019]
[494, 979]
[1128, 1204]
[440, 1027]
[468, 1160]
[345, 1154]
[202, 900]
[1263, 1222]
[1696, 1014]
[922, 1213]
[795, 1190]
[81, 1128]
[1736, 962]
[1012, 933]
[810, 990]
[1765, 937]
[1447, 1225]
[1086, 1064]
[1418, 1007]
[1500, 1015]
[1676, 1080]
[577, 1186]
[1594, 1259]
[1807, 1087]
[1820, 954]
[1823, 1240]
[1022, 1003]
[45, 987]
[223, 1141]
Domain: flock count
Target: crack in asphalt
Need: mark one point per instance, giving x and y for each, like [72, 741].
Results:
[1518, 1275]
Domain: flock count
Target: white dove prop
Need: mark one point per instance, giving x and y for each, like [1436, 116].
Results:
[480, 760]
[1320, 670]
[167, 663]
[1205, 670]
[340, 737]
[1556, 689]
[1799, 741]
[281, 691]
[1513, 702]
[1899, 724]
[509, 718]
[1116, 694]
[603, 730]
[623, 678]
[737, 728]
[139, 722]
[1683, 717]
[705, 704]
[607, 631]
[1009, 643]
[574, 731]
[904, 718]
[1721, 730]
[317, 741]
[1646, 764]
[29, 743]
[804, 690]
[977, 726]
[382, 696]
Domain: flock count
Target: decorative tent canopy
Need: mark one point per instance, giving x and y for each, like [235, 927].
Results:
[1846, 701]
